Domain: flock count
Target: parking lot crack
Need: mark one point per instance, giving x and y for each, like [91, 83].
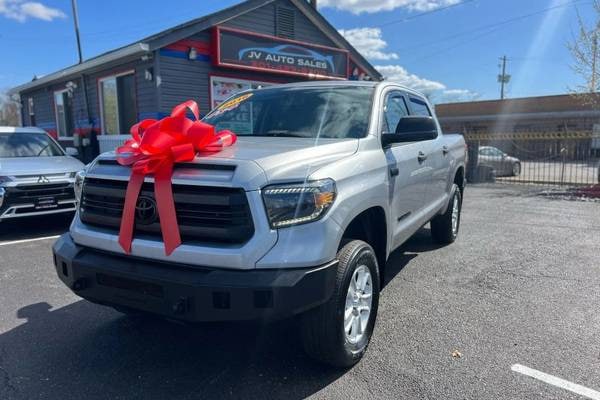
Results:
[543, 276]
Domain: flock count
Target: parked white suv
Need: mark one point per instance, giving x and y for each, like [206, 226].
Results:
[36, 174]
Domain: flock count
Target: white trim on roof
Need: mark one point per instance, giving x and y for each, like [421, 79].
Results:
[28, 129]
[129, 51]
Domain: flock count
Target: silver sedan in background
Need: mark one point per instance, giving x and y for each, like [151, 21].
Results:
[36, 175]
[502, 163]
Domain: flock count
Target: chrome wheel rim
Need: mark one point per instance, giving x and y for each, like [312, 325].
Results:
[455, 215]
[358, 304]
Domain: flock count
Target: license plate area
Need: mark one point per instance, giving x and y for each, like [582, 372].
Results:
[135, 286]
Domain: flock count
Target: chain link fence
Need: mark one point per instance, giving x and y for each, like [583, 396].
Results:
[535, 158]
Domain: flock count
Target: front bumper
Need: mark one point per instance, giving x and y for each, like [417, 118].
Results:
[190, 293]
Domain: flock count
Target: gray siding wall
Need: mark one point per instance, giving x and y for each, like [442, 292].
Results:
[262, 21]
[44, 98]
[183, 79]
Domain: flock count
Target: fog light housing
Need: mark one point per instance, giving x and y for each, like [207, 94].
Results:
[78, 185]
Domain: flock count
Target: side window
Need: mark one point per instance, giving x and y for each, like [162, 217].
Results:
[395, 108]
[419, 107]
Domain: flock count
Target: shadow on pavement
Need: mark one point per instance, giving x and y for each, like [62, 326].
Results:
[420, 242]
[85, 351]
[34, 227]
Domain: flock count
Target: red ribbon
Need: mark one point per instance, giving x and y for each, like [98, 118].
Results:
[156, 145]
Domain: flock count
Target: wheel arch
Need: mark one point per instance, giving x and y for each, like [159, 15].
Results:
[367, 226]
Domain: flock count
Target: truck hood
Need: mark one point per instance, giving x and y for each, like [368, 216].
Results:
[20, 166]
[251, 163]
[288, 159]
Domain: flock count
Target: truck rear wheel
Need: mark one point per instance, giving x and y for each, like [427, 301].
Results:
[338, 332]
[444, 227]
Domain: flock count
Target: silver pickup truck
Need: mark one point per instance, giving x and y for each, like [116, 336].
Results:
[296, 219]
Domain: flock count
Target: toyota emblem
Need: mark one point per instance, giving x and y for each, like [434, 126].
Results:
[145, 210]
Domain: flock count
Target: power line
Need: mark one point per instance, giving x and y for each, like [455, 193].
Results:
[424, 13]
[490, 26]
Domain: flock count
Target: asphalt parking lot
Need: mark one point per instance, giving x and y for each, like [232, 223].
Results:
[520, 286]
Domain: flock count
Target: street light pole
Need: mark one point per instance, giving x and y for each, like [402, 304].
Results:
[76, 22]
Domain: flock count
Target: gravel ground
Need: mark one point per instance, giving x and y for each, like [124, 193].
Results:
[521, 285]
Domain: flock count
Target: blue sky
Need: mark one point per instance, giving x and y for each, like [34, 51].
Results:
[452, 53]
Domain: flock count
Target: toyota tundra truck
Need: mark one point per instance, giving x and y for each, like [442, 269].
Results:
[296, 219]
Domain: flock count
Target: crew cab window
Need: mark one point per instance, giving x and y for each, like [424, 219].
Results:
[395, 109]
[419, 107]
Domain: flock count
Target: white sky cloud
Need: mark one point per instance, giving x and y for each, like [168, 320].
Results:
[369, 43]
[399, 74]
[373, 6]
[436, 91]
[20, 10]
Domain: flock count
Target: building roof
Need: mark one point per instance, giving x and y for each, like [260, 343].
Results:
[520, 106]
[189, 28]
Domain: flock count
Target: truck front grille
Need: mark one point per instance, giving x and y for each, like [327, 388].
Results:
[204, 214]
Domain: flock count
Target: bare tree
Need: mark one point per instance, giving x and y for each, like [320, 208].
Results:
[9, 110]
[585, 51]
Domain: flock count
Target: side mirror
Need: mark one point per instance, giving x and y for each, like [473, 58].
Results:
[72, 151]
[411, 129]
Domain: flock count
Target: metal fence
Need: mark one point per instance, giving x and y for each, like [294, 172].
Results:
[539, 158]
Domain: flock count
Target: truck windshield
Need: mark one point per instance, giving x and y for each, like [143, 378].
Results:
[336, 112]
[25, 144]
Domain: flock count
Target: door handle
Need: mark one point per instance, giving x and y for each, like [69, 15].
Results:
[422, 157]
[394, 171]
[445, 150]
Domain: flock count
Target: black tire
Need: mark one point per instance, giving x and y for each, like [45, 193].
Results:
[441, 225]
[323, 333]
[516, 169]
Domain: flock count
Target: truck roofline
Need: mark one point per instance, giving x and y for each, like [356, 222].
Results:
[338, 83]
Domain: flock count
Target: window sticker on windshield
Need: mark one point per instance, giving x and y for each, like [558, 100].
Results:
[233, 103]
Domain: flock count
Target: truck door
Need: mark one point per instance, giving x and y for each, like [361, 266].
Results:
[437, 156]
[409, 173]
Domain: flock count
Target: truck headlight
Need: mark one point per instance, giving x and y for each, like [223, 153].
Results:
[78, 185]
[296, 204]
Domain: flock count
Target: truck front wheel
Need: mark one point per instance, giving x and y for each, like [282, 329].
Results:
[338, 332]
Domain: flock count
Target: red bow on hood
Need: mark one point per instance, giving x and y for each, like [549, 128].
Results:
[156, 145]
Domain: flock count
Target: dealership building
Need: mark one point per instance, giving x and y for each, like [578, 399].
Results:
[253, 44]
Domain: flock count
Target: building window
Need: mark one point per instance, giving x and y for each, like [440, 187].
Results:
[31, 111]
[63, 110]
[117, 103]
[221, 88]
[285, 23]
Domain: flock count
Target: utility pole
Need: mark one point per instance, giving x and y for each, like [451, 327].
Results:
[76, 22]
[593, 80]
[503, 78]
